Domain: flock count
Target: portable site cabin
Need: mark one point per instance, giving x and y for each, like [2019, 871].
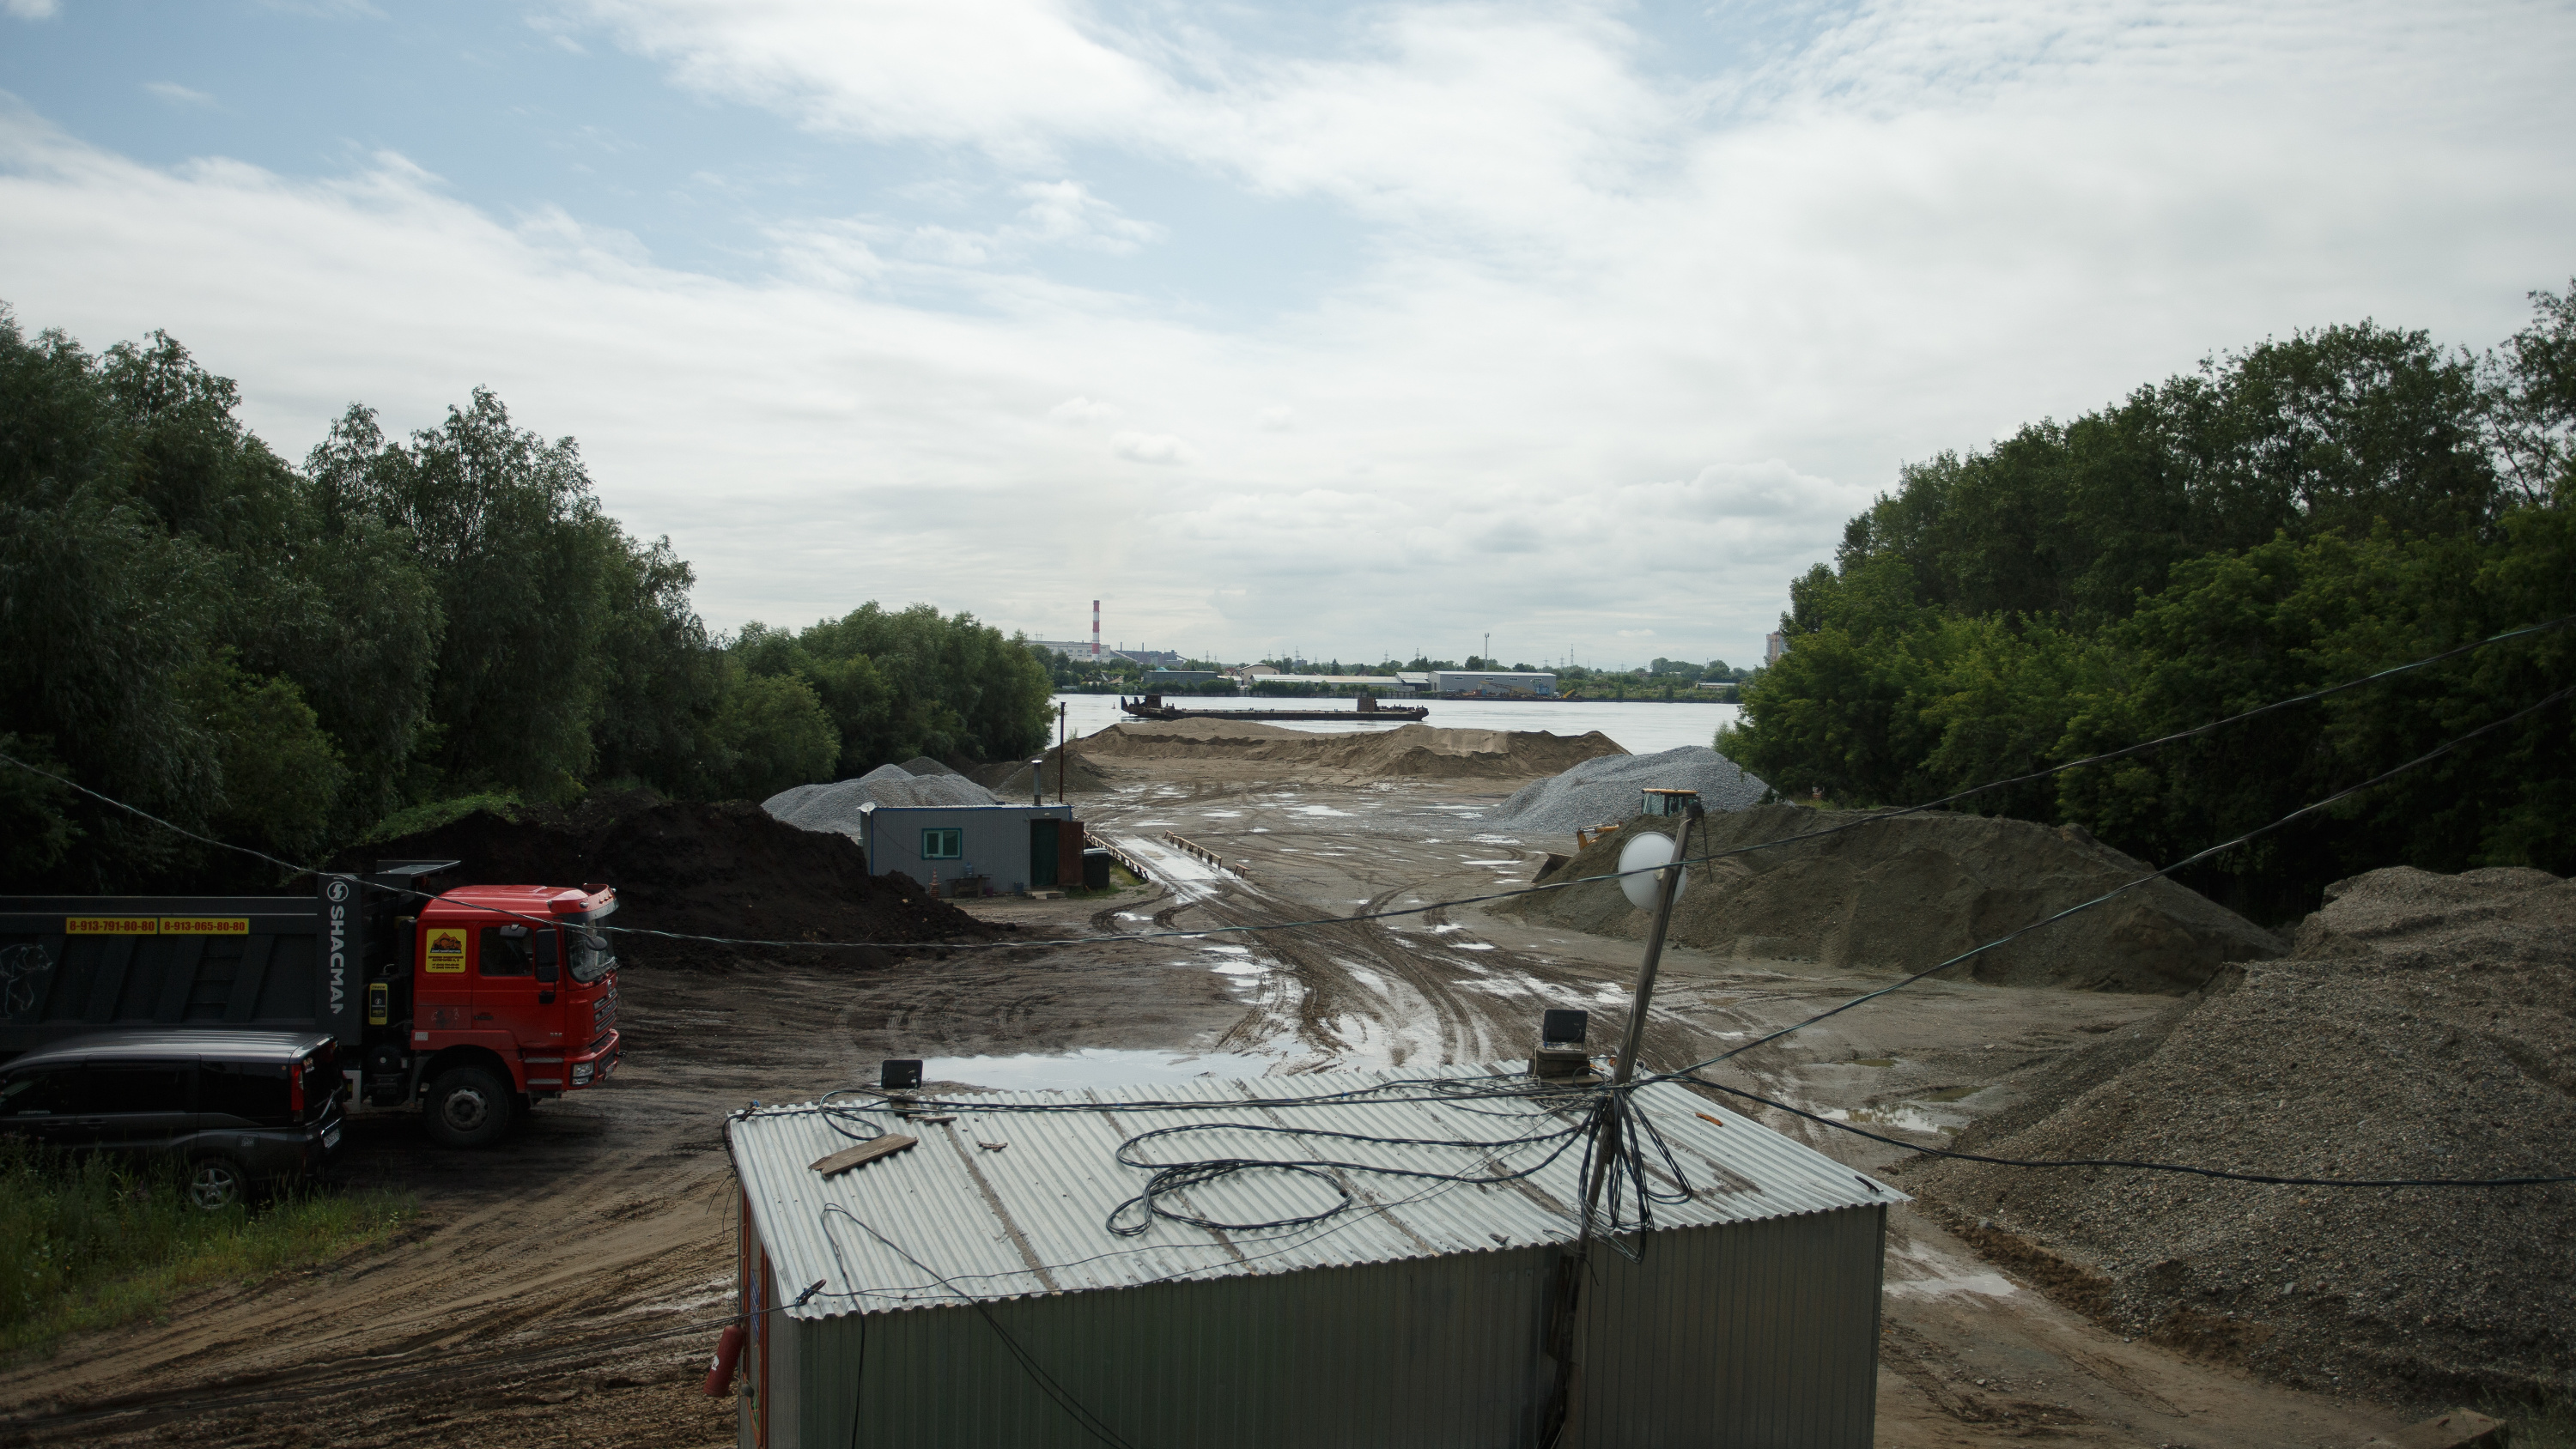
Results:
[1016, 847]
[966, 1291]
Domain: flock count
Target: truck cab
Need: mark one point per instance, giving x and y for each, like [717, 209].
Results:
[511, 998]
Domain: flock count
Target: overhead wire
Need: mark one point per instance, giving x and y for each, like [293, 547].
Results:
[2311, 808]
[1858, 822]
[1175, 1176]
[2224, 1174]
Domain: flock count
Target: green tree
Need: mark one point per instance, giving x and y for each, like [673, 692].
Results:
[2302, 512]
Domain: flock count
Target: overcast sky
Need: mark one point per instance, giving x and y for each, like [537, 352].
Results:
[1360, 329]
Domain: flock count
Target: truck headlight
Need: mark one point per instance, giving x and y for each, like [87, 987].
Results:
[581, 1074]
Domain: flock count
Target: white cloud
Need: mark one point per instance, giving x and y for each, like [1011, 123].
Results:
[1622, 352]
[31, 9]
[1082, 410]
[177, 94]
[1152, 448]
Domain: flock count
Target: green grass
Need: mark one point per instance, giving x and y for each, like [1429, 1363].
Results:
[418, 818]
[2547, 1425]
[88, 1243]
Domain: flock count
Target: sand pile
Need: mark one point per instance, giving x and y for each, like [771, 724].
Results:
[713, 870]
[836, 806]
[2425, 1026]
[1604, 790]
[1904, 893]
[1413, 750]
[1009, 779]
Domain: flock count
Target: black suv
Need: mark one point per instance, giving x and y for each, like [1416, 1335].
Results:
[237, 1108]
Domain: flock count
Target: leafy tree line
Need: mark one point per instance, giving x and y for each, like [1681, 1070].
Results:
[285, 656]
[2300, 513]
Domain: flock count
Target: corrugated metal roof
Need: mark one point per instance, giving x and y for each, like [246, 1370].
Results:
[1029, 1217]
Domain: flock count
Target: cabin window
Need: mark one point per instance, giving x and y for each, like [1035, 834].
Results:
[948, 844]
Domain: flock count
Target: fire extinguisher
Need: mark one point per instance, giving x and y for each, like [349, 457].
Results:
[728, 1354]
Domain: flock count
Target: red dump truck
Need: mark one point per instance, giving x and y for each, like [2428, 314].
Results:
[470, 1004]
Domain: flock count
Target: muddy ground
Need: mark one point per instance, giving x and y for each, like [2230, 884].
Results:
[518, 1309]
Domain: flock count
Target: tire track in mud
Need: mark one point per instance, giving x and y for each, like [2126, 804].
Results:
[1402, 991]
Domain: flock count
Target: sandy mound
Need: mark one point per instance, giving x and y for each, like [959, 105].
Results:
[1412, 750]
[1904, 893]
[712, 870]
[2424, 1027]
[1601, 790]
[1009, 779]
[835, 807]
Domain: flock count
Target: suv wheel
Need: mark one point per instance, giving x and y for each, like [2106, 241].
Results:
[216, 1183]
[468, 1107]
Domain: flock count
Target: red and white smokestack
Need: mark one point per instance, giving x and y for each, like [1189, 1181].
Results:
[1095, 631]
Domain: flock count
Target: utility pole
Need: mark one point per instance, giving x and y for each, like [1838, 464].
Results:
[1609, 1119]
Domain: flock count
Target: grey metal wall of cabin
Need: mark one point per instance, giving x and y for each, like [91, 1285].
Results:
[1759, 1335]
[997, 840]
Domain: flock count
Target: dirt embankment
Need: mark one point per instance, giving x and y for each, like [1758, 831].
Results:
[1406, 751]
[1906, 893]
[727, 869]
[2425, 1027]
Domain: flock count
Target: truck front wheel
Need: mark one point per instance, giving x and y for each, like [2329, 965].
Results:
[467, 1107]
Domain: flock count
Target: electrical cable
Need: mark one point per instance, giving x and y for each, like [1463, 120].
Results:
[1869, 818]
[1083, 1418]
[1633, 1163]
[2437, 752]
[2221, 1173]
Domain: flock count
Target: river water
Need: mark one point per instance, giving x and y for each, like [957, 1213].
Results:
[1641, 729]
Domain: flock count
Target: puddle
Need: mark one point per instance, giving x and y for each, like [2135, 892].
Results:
[1089, 1067]
[1469, 946]
[1873, 1061]
[1316, 810]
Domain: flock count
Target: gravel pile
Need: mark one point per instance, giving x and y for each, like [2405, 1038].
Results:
[1605, 790]
[1907, 892]
[2424, 1026]
[835, 807]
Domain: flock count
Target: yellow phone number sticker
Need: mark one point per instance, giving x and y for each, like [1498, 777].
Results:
[156, 925]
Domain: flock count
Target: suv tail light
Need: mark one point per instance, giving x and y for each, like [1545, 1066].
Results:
[295, 1092]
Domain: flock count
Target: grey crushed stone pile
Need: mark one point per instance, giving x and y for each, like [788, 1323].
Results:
[2423, 1026]
[1605, 790]
[835, 807]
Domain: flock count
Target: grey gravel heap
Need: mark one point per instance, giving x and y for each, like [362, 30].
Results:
[1606, 790]
[835, 807]
[2423, 1027]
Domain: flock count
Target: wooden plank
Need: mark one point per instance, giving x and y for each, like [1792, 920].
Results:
[869, 1151]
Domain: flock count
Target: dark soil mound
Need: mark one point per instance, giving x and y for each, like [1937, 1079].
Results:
[2422, 1028]
[1905, 893]
[727, 870]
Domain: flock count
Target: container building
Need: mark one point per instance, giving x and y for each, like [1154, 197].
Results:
[1492, 682]
[1014, 847]
[968, 1290]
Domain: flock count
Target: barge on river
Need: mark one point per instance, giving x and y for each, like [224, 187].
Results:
[1152, 707]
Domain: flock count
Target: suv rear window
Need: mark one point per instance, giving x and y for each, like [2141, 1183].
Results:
[251, 1091]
